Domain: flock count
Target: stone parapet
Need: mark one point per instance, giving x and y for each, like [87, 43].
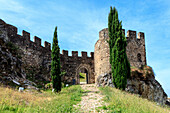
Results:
[24, 39]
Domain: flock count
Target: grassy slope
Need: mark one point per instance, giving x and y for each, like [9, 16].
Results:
[48, 102]
[82, 77]
[120, 101]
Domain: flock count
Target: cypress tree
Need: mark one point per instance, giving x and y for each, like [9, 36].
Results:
[118, 58]
[113, 28]
[55, 64]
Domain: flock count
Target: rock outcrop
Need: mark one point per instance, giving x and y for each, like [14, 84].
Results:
[104, 80]
[168, 102]
[141, 82]
[13, 71]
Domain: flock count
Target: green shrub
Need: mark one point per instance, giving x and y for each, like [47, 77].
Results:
[49, 85]
[12, 47]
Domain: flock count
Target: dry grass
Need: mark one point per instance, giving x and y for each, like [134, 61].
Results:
[120, 101]
[13, 97]
[28, 102]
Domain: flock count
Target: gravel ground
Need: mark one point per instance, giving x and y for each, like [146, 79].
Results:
[91, 100]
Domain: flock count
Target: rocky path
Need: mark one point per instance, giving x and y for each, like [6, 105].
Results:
[91, 99]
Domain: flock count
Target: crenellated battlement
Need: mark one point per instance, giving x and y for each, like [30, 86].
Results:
[37, 40]
[12, 30]
[47, 45]
[103, 34]
[75, 54]
[74, 64]
[132, 34]
[26, 35]
[24, 39]
[141, 35]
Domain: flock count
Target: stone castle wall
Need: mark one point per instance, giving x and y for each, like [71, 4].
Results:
[135, 51]
[74, 64]
[37, 56]
[34, 53]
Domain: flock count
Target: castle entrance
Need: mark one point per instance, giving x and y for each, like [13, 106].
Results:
[83, 73]
[83, 76]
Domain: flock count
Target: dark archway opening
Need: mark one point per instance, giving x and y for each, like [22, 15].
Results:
[83, 75]
[139, 57]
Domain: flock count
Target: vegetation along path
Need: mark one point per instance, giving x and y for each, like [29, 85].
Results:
[91, 99]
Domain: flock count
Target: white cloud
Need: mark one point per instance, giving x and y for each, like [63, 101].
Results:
[11, 5]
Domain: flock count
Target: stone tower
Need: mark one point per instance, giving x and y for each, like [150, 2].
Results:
[135, 51]
[102, 54]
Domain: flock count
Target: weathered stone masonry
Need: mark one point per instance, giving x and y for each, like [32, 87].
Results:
[73, 65]
[135, 51]
[37, 55]
[34, 55]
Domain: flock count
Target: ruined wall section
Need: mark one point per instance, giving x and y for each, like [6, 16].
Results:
[34, 54]
[72, 65]
[135, 51]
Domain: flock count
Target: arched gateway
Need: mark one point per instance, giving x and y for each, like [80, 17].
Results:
[87, 70]
[74, 65]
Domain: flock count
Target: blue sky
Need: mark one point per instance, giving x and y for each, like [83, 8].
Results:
[79, 22]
